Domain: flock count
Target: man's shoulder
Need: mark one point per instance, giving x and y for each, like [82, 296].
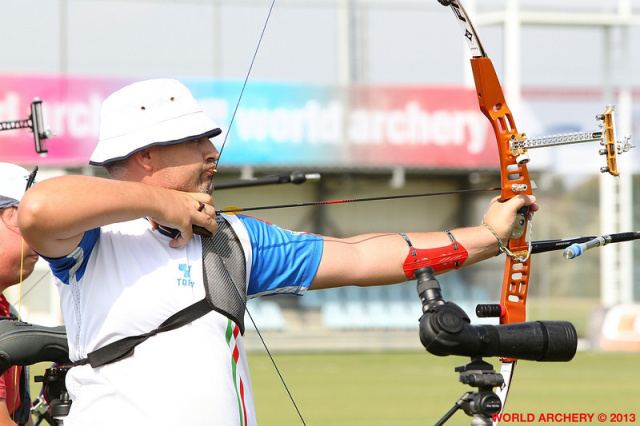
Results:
[136, 226]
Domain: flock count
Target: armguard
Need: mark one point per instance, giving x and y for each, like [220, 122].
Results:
[438, 258]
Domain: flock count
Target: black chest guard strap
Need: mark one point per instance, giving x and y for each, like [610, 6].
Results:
[225, 287]
[225, 273]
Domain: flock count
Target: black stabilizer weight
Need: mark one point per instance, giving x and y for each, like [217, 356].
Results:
[488, 311]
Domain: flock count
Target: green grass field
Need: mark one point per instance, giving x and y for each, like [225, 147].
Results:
[419, 388]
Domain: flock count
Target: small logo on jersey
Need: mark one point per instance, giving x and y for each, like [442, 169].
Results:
[185, 280]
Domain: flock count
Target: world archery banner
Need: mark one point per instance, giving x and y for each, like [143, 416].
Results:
[276, 124]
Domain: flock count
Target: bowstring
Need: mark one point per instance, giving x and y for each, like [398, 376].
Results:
[30, 180]
[264, 344]
[209, 188]
[244, 85]
[15, 368]
[21, 278]
[22, 296]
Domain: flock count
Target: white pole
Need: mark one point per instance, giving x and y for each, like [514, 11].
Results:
[344, 43]
[609, 196]
[624, 117]
[512, 28]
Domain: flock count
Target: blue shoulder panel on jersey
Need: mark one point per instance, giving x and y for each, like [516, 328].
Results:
[283, 261]
[75, 263]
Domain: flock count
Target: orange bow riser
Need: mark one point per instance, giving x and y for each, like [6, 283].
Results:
[515, 180]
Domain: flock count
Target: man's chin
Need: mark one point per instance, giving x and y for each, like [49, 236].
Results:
[28, 267]
[203, 188]
[27, 272]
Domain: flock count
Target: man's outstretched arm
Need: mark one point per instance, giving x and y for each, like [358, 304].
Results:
[377, 259]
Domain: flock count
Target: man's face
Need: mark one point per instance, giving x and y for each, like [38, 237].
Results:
[12, 251]
[186, 166]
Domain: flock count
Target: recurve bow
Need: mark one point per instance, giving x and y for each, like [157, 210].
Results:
[515, 180]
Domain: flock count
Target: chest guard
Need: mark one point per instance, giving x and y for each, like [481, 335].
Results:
[225, 276]
[225, 287]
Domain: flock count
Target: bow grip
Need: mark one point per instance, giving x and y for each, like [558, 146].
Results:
[521, 223]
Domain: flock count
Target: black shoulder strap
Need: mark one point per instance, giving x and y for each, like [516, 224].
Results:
[123, 348]
[225, 286]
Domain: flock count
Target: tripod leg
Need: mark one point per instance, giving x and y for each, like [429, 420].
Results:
[453, 409]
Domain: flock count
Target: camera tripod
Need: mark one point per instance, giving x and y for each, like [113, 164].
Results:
[482, 404]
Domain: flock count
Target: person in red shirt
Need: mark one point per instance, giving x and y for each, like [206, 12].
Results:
[17, 261]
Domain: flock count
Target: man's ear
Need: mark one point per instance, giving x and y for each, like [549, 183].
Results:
[7, 213]
[145, 159]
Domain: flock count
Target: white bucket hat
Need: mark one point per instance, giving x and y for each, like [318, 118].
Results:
[13, 184]
[148, 113]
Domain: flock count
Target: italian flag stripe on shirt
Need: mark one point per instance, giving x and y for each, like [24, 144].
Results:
[231, 334]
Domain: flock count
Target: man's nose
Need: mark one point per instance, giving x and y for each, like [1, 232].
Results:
[211, 152]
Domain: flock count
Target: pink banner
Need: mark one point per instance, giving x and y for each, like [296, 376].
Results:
[435, 127]
[280, 123]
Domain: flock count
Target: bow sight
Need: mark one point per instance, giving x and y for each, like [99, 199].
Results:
[606, 136]
[35, 122]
